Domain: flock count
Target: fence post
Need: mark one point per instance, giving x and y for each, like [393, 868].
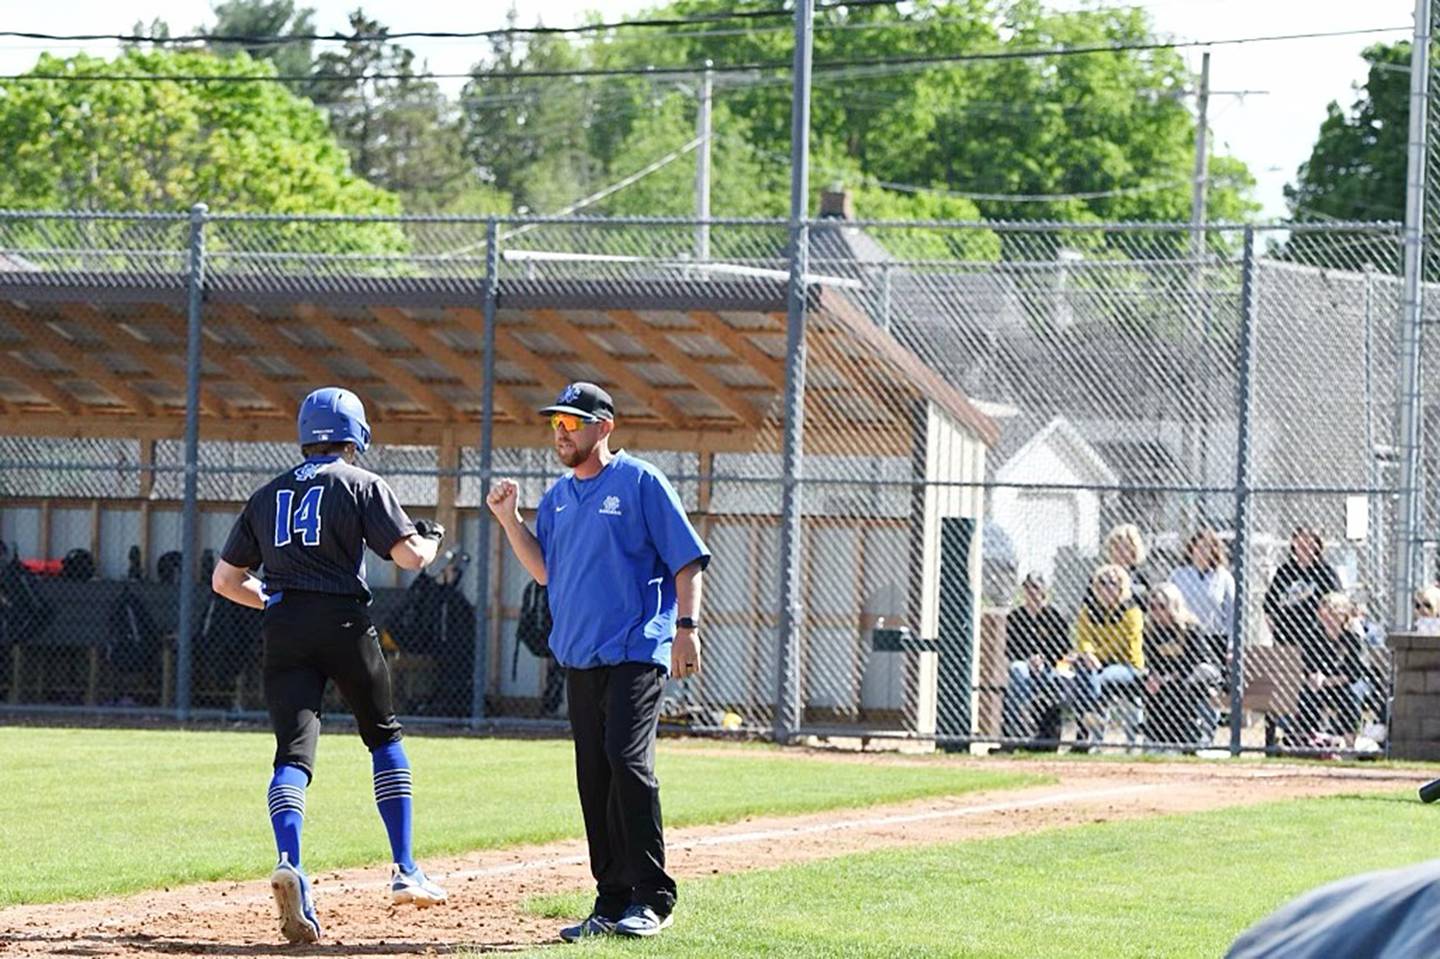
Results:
[1411, 402]
[189, 519]
[480, 676]
[1246, 409]
[1375, 566]
[787, 647]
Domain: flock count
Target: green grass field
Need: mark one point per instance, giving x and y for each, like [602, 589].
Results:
[96, 812]
[1175, 887]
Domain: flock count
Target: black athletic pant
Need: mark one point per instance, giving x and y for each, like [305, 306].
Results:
[312, 637]
[613, 713]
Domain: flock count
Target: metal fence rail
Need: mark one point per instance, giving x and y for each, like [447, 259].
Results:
[984, 402]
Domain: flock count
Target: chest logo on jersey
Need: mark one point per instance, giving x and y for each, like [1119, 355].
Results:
[611, 506]
[307, 471]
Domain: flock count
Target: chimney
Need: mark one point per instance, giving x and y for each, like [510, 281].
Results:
[836, 203]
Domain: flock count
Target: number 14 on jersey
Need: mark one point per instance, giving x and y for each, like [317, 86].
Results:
[305, 520]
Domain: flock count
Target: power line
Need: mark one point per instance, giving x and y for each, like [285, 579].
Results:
[903, 63]
[262, 40]
[1137, 190]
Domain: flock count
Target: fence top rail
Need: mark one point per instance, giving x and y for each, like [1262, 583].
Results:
[602, 221]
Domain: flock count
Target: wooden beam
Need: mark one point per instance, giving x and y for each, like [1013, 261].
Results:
[43, 385]
[157, 363]
[95, 533]
[466, 371]
[589, 351]
[229, 361]
[705, 489]
[667, 352]
[447, 483]
[393, 372]
[718, 437]
[735, 340]
[147, 467]
[41, 334]
[509, 346]
[924, 382]
[274, 341]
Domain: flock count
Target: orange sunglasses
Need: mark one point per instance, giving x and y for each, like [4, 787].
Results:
[569, 421]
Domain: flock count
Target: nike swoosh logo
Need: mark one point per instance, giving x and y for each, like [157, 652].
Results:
[559, 508]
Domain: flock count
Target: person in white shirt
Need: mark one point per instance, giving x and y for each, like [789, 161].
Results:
[1209, 588]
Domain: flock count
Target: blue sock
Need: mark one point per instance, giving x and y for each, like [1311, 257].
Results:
[392, 797]
[287, 810]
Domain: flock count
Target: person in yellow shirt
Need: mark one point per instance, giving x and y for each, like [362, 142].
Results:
[1109, 660]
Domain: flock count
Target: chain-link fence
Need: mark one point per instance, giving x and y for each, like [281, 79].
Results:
[992, 417]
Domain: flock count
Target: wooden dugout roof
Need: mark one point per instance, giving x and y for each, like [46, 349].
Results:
[692, 365]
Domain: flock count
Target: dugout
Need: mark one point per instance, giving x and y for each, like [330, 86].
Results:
[92, 405]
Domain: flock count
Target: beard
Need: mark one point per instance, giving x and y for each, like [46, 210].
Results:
[571, 453]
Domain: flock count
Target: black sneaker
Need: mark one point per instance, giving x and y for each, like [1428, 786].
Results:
[594, 925]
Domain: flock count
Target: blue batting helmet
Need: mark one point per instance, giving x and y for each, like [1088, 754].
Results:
[333, 415]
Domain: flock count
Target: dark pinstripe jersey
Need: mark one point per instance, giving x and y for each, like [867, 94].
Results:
[309, 526]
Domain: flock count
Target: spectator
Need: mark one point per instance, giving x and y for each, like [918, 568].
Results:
[1110, 657]
[1125, 547]
[1209, 589]
[1339, 676]
[1182, 672]
[1427, 610]
[1036, 638]
[1294, 594]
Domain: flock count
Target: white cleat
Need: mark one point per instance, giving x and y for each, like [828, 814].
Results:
[407, 888]
[295, 902]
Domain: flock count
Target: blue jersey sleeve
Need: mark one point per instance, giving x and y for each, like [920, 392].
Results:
[670, 530]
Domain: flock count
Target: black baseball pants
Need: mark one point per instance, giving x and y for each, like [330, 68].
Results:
[613, 716]
[310, 638]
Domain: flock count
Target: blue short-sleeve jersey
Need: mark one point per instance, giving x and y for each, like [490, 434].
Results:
[612, 545]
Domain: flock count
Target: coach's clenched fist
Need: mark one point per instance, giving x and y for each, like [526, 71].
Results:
[504, 501]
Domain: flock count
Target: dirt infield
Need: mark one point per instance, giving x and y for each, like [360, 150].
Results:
[487, 889]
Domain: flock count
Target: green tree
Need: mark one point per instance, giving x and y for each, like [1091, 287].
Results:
[531, 136]
[163, 144]
[402, 132]
[1356, 170]
[742, 182]
[1110, 132]
[266, 18]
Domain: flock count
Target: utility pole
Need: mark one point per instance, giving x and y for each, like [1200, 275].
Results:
[702, 167]
[1196, 418]
[1202, 163]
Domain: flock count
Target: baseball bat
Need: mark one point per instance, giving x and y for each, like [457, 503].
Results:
[1430, 791]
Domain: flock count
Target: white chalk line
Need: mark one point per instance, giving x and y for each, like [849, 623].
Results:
[325, 890]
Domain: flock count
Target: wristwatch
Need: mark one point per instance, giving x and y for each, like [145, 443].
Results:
[686, 622]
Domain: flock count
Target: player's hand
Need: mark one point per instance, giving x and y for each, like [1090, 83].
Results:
[685, 654]
[504, 501]
[430, 529]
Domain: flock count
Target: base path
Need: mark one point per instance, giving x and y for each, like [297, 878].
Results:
[488, 888]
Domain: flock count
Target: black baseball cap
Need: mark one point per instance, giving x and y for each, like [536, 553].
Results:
[585, 400]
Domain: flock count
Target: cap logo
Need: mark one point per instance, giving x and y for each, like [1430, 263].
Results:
[571, 394]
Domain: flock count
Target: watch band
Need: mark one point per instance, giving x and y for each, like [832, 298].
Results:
[686, 622]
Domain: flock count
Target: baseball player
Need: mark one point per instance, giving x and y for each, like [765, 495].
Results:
[624, 570]
[308, 528]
